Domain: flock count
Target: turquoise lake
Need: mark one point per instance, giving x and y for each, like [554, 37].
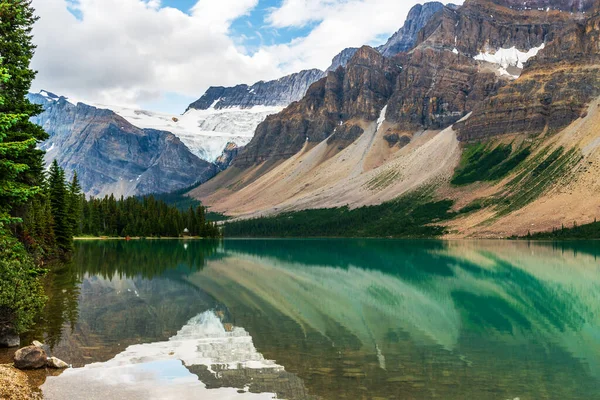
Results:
[326, 319]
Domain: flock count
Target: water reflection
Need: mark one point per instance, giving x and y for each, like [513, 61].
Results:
[351, 318]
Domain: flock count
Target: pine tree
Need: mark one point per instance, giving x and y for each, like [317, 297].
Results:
[75, 205]
[22, 163]
[59, 201]
[12, 191]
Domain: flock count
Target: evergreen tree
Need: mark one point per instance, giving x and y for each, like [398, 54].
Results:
[59, 202]
[75, 205]
[13, 192]
[22, 163]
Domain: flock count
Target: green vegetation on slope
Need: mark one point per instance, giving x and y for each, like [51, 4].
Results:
[412, 216]
[481, 162]
[587, 231]
[182, 202]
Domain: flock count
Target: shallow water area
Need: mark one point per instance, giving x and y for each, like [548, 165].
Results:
[326, 319]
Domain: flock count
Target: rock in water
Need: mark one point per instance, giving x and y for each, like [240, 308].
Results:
[8, 336]
[43, 346]
[54, 362]
[30, 357]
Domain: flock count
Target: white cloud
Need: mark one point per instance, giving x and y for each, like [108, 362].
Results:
[131, 51]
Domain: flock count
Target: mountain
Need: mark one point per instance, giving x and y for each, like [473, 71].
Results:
[564, 5]
[406, 37]
[112, 156]
[205, 132]
[494, 108]
[342, 58]
[280, 92]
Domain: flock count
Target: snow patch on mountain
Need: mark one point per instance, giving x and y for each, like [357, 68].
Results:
[204, 132]
[506, 58]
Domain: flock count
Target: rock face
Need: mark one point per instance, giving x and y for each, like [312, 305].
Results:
[280, 92]
[30, 357]
[406, 37]
[342, 59]
[229, 153]
[564, 5]
[112, 156]
[330, 109]
[553, 91]
[461, 59]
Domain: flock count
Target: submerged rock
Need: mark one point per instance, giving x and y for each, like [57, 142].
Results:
[30, 357]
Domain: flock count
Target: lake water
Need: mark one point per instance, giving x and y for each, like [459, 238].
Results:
[326, 319]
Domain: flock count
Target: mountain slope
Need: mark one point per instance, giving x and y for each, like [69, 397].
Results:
[381, 128]
[112, 156]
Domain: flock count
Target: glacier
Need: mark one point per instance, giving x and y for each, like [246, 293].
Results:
[204, 132]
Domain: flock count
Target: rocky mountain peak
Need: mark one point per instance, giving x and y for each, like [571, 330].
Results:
[366, 56]
[279, 92]
[405, 38]
[342, 58]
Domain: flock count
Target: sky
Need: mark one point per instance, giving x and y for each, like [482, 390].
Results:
[161, 55]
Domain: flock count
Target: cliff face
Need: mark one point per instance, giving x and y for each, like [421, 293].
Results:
[112, 156]
[342, 59]
[229, 153]
[406, 37]
[553, 91]
[331, 107]
[280, 92]
[564, 5]
[462, 56]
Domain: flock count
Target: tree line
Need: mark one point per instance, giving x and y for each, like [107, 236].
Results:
[39, 211]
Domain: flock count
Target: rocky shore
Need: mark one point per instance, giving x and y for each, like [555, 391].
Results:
[21, 379]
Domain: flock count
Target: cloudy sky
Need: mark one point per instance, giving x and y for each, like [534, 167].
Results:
[163, 54]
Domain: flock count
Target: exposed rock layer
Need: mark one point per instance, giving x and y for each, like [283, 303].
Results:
[553, 91]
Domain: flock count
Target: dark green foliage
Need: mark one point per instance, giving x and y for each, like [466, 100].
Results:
[409, 217]
[21, 293]
[481, 163]
[146, 217]
[75, 199]
[178, 198]
[216, 217]
[182, 202]
[20, 162]
[547, 162]
[21, 170]
[60, 202]
[587, 231]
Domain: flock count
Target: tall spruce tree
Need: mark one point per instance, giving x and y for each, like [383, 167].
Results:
[19, 136]
[59, 202]
[75, 205]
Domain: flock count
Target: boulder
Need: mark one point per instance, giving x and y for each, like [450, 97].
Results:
[43, 346]
[8, 336]
[54, 362]
[30, 357]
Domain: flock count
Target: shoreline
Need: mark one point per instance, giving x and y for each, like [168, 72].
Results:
[141, 238]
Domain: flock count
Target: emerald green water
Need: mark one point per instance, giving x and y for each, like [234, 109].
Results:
[327, 319]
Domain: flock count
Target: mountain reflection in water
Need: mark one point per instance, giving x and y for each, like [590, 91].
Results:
[339, 318]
